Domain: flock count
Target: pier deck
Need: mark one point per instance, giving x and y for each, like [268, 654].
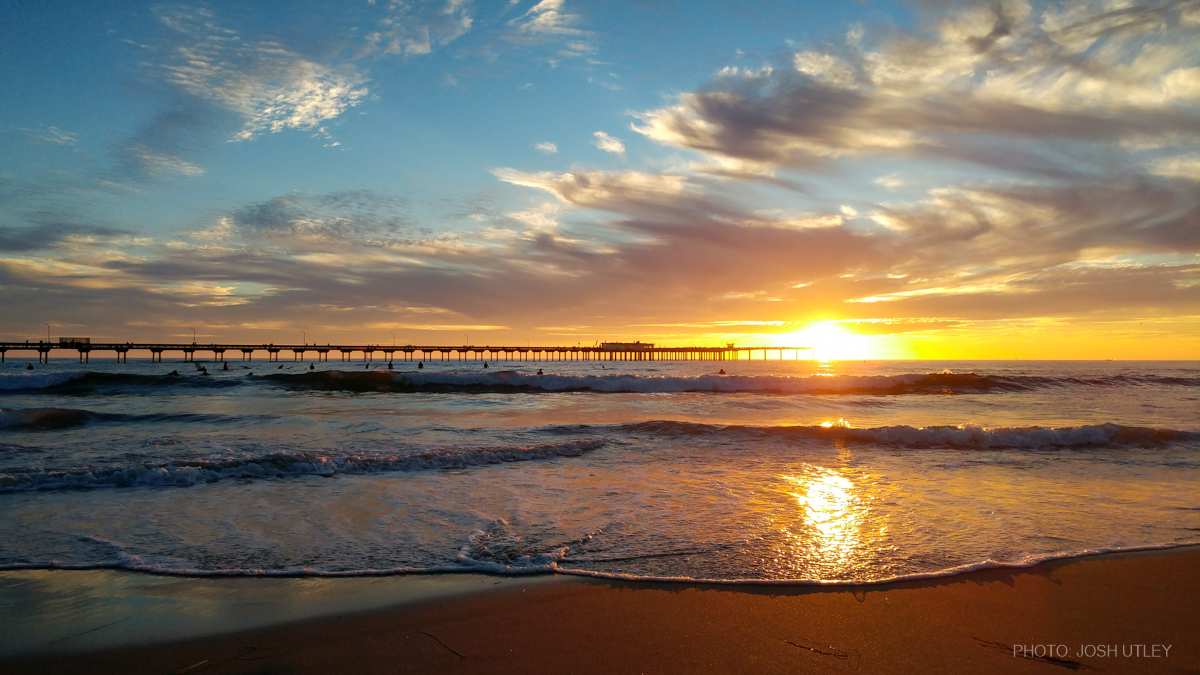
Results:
[346, 352]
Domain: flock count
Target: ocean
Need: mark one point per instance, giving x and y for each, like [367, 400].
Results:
[794, 472]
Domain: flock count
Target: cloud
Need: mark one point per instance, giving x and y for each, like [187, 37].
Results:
[48, 232]
[608, 143]
[550, 21]
[409, 29]
[52, 135]
[1178, 166]
[891, 182]
[546, 147]
[997, 85]
[548, 17]
[158, 164]
[269, 86]
[301, 222]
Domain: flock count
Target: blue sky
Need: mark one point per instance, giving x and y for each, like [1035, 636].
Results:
[681, 171]
[431, 124]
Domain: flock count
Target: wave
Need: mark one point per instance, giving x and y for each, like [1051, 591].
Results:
[511, 381]
[187, 473]
[966, 437]
[49, 419]
[70, 382]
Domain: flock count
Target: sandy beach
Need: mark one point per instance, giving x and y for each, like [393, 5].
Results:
[1130, 612]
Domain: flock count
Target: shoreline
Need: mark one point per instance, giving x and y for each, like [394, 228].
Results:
[432, 573]
[484, 623]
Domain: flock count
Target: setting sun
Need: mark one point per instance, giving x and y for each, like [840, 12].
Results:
[830, 341]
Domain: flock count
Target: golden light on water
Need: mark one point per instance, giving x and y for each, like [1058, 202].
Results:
[825, 538]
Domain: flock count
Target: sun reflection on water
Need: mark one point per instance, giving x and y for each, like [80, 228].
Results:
[832, 515]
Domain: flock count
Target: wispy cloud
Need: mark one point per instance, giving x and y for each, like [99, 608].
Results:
[409, 29]
[268, 85]
[608, 143]
[994, 84]
[546, 147]
[551, 22]
[52, 135]
[549, 17]
[159, 164]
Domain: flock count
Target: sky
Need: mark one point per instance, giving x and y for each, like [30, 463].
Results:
[885, 180]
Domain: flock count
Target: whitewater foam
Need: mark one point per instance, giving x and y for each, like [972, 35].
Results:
[963, 437]
[553, 566]
[515, 381]
[283, 465]
[512, 381]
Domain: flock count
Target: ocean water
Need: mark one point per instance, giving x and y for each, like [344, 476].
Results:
[787, 472]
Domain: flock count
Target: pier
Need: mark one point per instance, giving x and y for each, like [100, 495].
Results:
[196, 351]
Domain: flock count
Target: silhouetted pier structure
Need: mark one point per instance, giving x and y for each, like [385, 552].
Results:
[609, 351]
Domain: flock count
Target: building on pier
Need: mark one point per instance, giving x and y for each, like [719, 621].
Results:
[626, 346]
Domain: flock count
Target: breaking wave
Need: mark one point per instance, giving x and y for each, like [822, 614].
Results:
[965, 437]
[85, 381]
[514, 381]
[185, 473]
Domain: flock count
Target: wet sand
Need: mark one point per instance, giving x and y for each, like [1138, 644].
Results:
[1130, 612]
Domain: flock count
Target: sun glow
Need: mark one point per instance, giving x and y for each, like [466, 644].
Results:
[830, 341]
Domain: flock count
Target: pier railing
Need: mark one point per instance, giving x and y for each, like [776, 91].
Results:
[193, 351]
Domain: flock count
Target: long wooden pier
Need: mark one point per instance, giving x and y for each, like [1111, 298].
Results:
[193, 351]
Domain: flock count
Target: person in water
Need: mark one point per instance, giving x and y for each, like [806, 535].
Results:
[311, 367]
[485, 364]
[225, 366]
[28, 366]
[540, 371]
[420, 365]
[721, 371]
[389, 365]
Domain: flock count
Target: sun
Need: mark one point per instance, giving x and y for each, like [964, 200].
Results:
[830, 341]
